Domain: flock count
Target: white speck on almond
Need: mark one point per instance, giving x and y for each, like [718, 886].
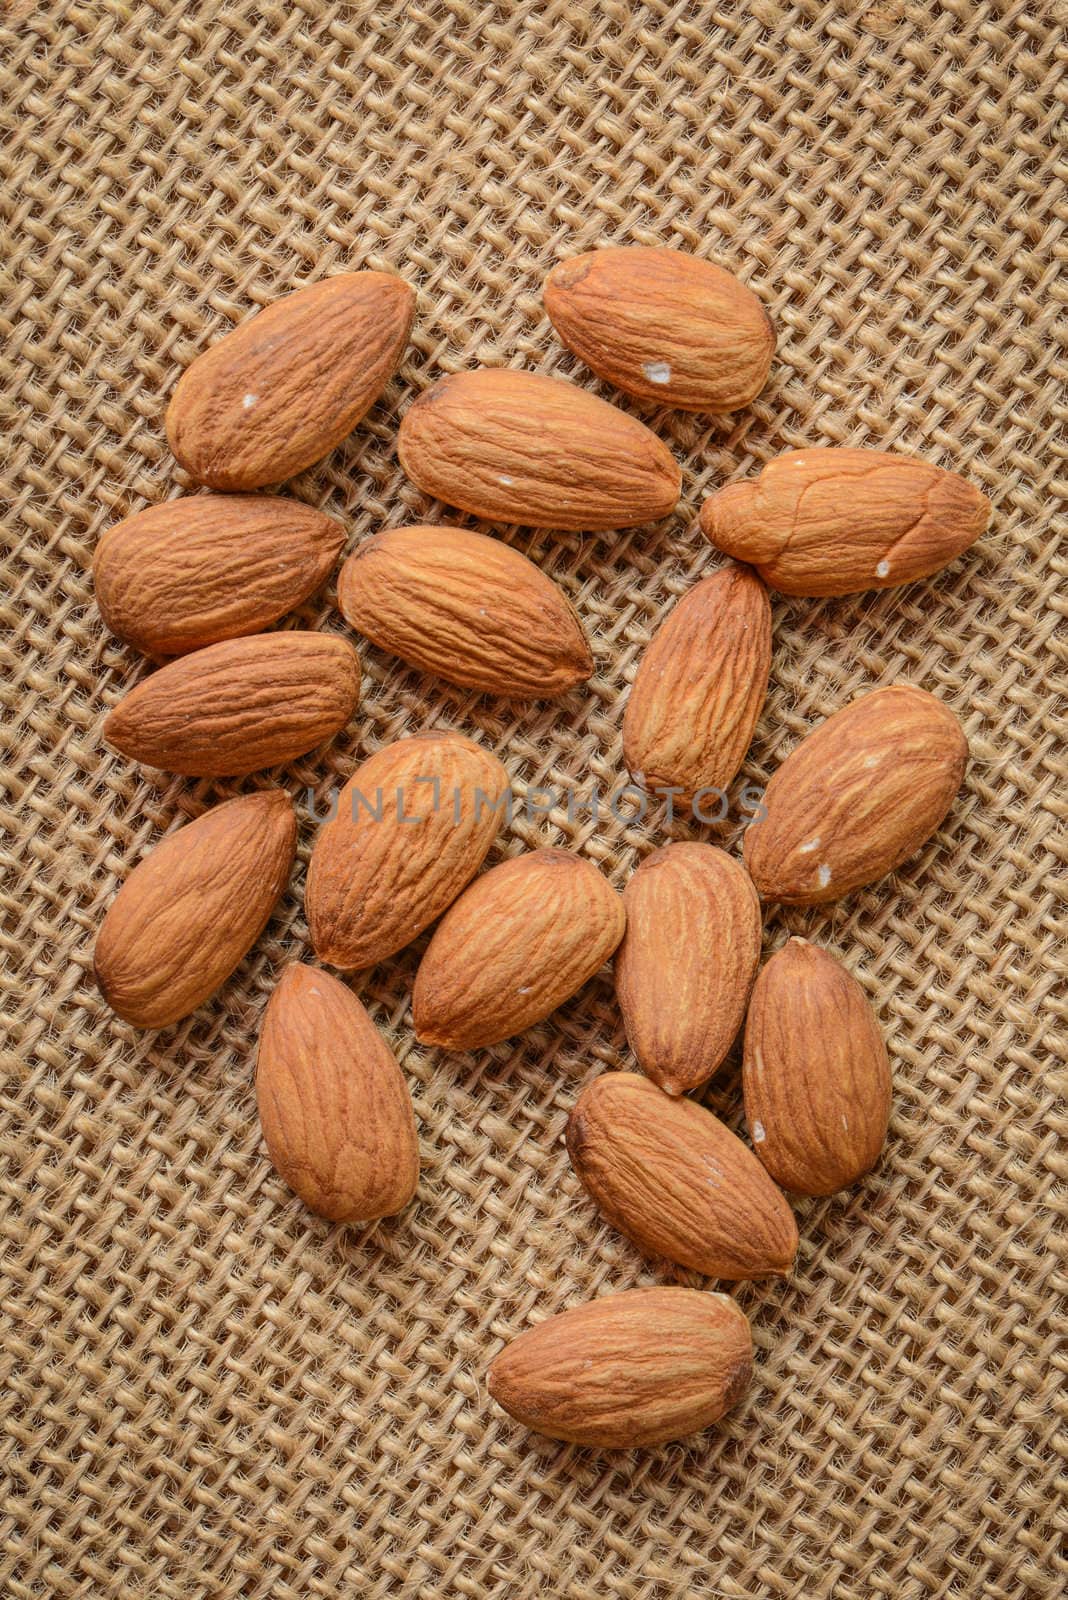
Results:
[249, 401]
[807, 849]
[823, 876]
[657, 371]
[758, 1133]
[883, 569]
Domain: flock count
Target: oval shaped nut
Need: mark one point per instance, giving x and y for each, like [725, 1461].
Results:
[413, 825]
[238, 706]
[521, 447]
[191, 572]
[467, 608]
[857, 797]
[632, 1369]
[816, 1076]
[190, 912]
[830, 522]
[285, 387]
[517, 944]
[677, 1182]
[687, 961]
[700, 689]
[334, 1107]
[663, 325]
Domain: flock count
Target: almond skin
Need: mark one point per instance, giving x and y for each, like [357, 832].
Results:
[521, 447]
[816, 1075]
[830, 522]
[857, 797]
[663, 325]
[639, 1368]
[207, 567]
[677, 1182]
[687, 961]
[517, 944]
[467, 608]
[334, 1107]
[285, 387]
[701, 687]
[190, 912]
[238, 706]
[378, 876]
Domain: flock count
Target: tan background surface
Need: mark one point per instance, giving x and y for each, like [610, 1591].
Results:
[208, 1393]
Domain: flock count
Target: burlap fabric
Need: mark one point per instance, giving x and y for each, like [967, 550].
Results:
[209, 1393]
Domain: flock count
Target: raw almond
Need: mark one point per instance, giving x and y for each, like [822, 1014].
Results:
[281, 390]
[632, 1369]
[190, 912]
[677, 1182]
[816, 1075]
[413, 826]
[687, 961]
[700, 689]
[334, 1107]
[207, 567]
[828, 522]
[238, 706]
[469, 609]
[517, 944]
[521, 447]
[663, 325]
[857, 797]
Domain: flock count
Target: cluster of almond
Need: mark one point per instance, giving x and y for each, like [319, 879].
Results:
[195, 579]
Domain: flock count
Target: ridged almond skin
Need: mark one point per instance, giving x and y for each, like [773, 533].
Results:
[192, 572]
[857, 797]
[287, 385]
[831, 522]
[375, 882]
[663, 325]
[522, 447]
[467, 608]
[816, 1075]
[701, 687]
[687, 961]
[629, 1370]
[334, 1107]
[518, 943]
[238, 706]
[677, 1182]
[190, 912]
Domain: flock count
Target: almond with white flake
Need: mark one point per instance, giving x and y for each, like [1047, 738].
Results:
[663, 325]
[522, 447]
[334, 1107]
[677, 1182]
[628, 1370]
[816, 1075]
[465, 607]
[857, 797]
[831, 522]
[517, 944]
[287, 385]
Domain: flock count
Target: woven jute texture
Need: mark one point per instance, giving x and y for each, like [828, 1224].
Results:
[210, 1394]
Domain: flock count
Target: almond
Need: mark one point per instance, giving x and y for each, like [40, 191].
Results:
[857, 797]
[190, 912]
[828, 522]
[632, 1369]
[469, 609]
[281, 390]
[663, 325]
[687, 961]
[413, 826]
[238, 706]
[207, 567]
[517, 944]
[521, 447]
[816, 1075]
[334, 1107]
[677, 1182]
[700, 688]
